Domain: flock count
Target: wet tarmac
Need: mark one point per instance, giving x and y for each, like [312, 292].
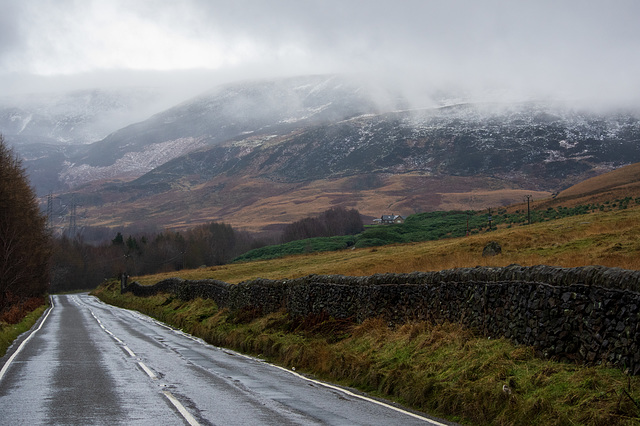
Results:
[92, 363]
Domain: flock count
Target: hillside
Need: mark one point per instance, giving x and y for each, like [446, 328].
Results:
[605, 188]
[620, 183]
[75, 117]
[258, 154]
[266, 107]
[459, 157]
[47, 129]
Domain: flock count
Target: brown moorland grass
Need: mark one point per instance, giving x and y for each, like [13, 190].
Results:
[255, 204]
[616, 184]
[618, 178]
[601, 238]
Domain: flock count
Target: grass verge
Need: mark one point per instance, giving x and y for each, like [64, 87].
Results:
[444, 370]
[9, 332]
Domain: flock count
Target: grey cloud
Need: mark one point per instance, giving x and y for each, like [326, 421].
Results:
[10, 31]
[581, 48]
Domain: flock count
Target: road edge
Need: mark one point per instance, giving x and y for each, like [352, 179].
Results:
[20, 341]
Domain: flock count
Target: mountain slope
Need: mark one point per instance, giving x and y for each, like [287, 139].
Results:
[459, 157]
[608, 187]
[258, 154]
[524, 143]
[623, 178]
[47, 129]
[231, 111]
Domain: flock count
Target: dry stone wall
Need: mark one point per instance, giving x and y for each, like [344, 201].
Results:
[589, 314]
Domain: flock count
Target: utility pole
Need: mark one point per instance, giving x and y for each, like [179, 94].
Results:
[72, 218]
[528, 198]
[467, 223]
[490, 218]
[50, 211]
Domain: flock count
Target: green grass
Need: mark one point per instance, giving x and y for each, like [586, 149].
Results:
[444, 370]
[428, 226]
[9, 332]
[310, 245]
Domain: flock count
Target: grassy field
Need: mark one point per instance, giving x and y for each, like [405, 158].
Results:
[601, 238]
[443, 370]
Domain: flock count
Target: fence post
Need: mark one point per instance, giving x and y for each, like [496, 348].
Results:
[123, 281]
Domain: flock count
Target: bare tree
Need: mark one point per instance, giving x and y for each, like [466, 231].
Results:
[25, 248]
[332, 222]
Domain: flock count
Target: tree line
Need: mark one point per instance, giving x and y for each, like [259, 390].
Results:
[80, 265]
[336, 221]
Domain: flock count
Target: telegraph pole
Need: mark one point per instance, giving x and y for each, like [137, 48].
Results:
[489, 218]
[72, 217]
[50, 211]
[528, 198]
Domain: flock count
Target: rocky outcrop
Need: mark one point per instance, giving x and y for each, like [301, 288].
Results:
[588, 314]
[493, 248]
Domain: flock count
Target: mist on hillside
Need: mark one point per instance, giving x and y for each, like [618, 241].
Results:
[430, 52]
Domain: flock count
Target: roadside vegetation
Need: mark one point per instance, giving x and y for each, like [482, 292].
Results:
[9, 332]
[444, 370]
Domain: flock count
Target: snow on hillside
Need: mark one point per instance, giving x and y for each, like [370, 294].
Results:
[132, 164]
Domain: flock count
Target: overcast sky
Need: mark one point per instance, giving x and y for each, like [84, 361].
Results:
[556, 48]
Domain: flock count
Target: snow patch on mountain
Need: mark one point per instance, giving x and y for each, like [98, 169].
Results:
[132, 164]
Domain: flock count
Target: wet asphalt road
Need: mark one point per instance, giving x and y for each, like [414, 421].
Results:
[91, 363]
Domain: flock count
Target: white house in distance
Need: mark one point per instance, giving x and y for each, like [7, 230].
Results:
[388, 219]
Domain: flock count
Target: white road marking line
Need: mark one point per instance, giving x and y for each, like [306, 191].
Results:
[8, 363]
[183, 411]
[192, 421]
[126, 348]
[147, 370]
[417, 416]
[115, 337]
[107, 331]
[187, 416]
